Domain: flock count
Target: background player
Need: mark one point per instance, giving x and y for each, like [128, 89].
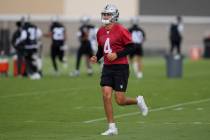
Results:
[57, 33]
[175, 35]
[31, 35]
[138, 38]
[84, 34]
[19, 47]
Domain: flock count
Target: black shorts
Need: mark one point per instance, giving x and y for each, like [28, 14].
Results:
[115, 76]
[85, 49]
[56, 51]
[138, 51]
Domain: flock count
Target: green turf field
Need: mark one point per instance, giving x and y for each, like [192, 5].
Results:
[66, 108]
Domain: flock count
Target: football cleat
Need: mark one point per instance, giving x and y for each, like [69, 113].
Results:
[74, 73]
[139, 75]
[110, 132]
[35, 76]
[142, 105]
[90, 72]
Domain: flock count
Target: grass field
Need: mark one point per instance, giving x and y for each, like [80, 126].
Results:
[66, 108]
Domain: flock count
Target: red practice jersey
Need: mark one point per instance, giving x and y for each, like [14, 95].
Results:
[113, 41]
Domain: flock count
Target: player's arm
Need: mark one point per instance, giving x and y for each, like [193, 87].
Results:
[23, 36]
[144, 35]
[39, 33]
[49, 33]
[98, 55]
[129, 48]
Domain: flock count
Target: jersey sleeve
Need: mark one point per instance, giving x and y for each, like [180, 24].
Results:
[126, 36]
[39, 33]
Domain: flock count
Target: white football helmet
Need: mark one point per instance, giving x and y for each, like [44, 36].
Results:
[55, 18]
[134, 20]
[85, 20]
[113, 11]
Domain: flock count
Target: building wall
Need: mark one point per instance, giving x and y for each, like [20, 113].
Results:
[93, 8]
[156, 26]
[175, 7]
[73, 8]
[37, 7]
[127, 8]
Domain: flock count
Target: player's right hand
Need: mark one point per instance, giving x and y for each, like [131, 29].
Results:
[93, 59]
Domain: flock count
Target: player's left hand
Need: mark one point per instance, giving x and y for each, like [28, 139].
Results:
[93, 59]
[112, 56]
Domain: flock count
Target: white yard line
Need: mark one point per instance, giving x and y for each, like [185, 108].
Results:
[35, 93]
[31, 93]
[152, 110]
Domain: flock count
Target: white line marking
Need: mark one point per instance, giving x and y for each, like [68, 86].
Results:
[51, 122]
[34, 93]
[90, 107]
[30, 93]
[199, 108]
[178, 109]
[197, 122]
[152, 110]
[178, 123]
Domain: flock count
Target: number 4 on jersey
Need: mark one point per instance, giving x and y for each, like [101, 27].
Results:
[107, 48]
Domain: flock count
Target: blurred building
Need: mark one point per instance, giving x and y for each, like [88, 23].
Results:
[73, 8]
[155, 18]
[127, 8]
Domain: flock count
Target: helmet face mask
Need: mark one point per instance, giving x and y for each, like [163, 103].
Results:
[109, 11]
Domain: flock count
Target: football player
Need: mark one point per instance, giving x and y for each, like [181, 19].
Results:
[114, 44]
[85, 36]
[138, 38]
[175, 35]
[57, 33]
[19, 47]
[31, 35]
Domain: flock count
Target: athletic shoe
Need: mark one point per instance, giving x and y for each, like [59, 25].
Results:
[35, 76]
[90, 72]
[75, 73]
[142, 105]
[65, 65]
[139, 75]
[110, 132]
